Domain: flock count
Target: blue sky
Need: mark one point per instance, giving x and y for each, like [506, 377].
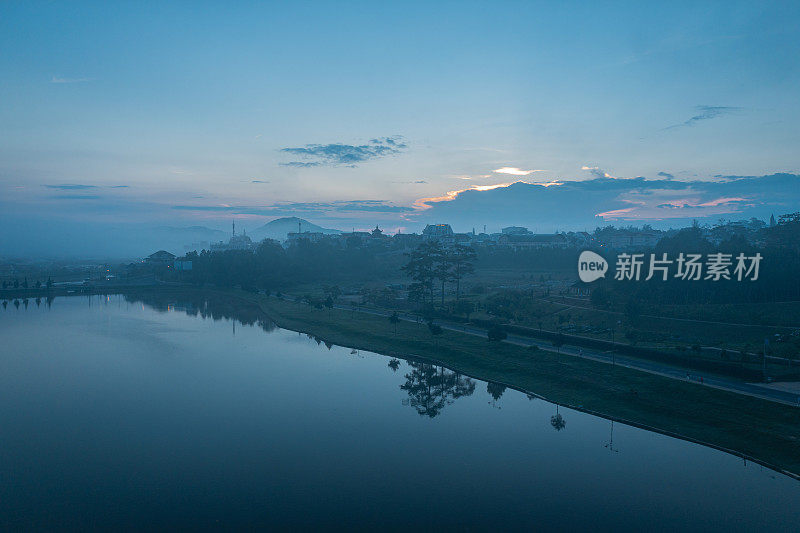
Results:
[196, 112]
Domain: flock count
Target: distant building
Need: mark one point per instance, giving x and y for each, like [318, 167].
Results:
[160, 258]
[182, 265]
[579, 239]
[294, 237]
[406, 240]
[626, 240]
[353, 239]
[543, 240]
[377, 237]
[515, 230]
[438, 232]
[236, 242]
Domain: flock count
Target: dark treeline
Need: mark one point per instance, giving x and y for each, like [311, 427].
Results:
[778, 279]
[538, 260]
[432, 266]
[273, 267]
[435, 270]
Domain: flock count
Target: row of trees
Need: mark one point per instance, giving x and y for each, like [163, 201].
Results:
[273, 267]
[778, 280]
[432, 266]
[17, 284]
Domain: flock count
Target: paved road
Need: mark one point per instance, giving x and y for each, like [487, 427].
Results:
[750, 389]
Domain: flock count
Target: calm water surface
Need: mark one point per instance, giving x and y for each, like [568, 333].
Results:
[141, 414]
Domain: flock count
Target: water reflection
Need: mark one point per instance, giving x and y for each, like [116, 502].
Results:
[208, 306]
[25, 302]
[496, 391]
[260, 428]
[431, 388]
[557, 421]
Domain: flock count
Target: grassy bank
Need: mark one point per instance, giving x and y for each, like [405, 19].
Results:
[762, 430]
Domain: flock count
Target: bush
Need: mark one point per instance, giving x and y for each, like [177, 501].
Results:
[496, 333]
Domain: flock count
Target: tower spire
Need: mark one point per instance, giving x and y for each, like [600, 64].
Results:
[233, 226]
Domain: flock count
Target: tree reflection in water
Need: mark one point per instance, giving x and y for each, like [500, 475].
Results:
[496, 390]
[557, 421]
[431, 388]
[215, 308]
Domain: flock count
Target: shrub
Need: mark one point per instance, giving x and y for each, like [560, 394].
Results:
[496, 333]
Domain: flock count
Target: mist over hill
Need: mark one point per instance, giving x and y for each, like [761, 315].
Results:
[73, 239]
[279, 228]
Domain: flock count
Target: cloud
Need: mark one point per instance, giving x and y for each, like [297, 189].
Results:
[411, 182]
[315, 155]
[71, 186]
[705, 112]
[598, 172]
[426, 203]
[76, 197]
[666, 175]
[514, 171]
[575, 204]
[59, 79]
[119, 186]
[301, 164]
[259, 181]
[288, 208]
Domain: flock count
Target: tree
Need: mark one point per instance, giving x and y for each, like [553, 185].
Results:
[496, 333]
[435, 330]
[394, 364]
[420, 267]
[394, 319]
[462, 259]
[332, 291]
[600, 298]
[441, 267]
[558, 342]
[464, 307]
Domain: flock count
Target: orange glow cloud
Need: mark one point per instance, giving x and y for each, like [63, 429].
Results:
[424, 203]
[676, 208]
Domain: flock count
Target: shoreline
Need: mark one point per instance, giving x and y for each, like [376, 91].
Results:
[752, 429]
[578, 408]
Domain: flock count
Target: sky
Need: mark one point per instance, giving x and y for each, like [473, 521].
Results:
[141, 114]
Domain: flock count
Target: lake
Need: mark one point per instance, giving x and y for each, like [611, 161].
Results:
[123, 413]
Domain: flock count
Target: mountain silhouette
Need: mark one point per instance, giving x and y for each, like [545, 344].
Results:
[279, 228]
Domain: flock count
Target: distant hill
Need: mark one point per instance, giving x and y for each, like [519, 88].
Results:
[280, 227]
[180, 240]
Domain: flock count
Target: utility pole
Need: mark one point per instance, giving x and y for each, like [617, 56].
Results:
[610, 443]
